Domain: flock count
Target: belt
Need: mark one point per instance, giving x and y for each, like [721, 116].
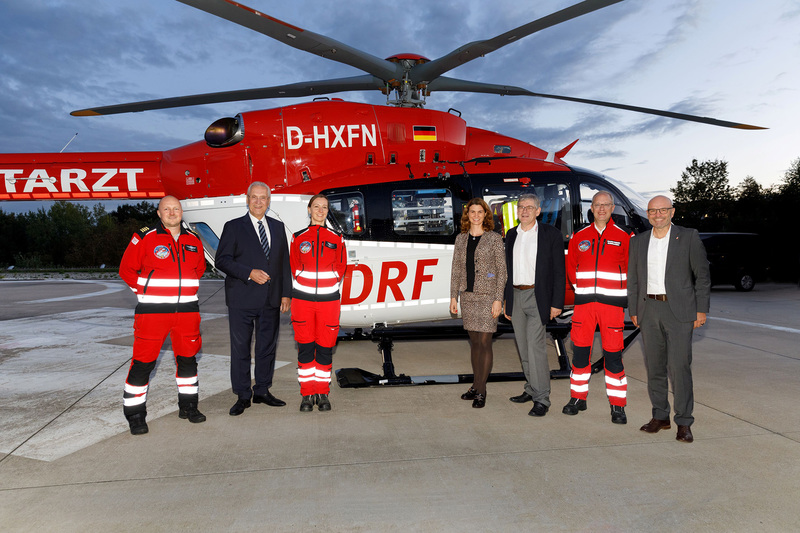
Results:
[524, 287]
[659, 297]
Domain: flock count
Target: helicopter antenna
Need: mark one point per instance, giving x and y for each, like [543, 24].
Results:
[65, 146]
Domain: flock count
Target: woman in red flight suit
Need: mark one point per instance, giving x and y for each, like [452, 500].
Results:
[318, 260]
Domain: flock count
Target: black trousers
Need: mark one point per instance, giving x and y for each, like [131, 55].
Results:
[242, 324]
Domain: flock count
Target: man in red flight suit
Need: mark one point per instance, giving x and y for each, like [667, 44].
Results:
[163, 266]
[597, 267]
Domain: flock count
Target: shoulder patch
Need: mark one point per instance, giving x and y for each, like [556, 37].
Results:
[139, 234]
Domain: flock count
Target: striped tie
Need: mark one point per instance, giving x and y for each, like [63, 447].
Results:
[262, 234]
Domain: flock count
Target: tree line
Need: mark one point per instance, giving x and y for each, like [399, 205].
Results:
[70, 235]
[73, 235]
[705, 200]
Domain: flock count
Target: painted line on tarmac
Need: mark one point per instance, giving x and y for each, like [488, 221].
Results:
[61, 381]
[111, 287]
[767, 326]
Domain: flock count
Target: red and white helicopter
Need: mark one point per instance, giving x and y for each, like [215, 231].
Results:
[397, 176]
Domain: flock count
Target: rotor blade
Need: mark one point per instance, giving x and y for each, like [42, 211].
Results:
[299, 38]
[453, 84]
[307, 88]
[432, 70]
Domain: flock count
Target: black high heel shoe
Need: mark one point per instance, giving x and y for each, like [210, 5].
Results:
[479, 401]
[470, 394]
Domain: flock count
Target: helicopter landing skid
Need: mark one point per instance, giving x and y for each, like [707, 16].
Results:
[385, 337]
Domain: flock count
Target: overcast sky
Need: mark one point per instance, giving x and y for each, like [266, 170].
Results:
[734, 60]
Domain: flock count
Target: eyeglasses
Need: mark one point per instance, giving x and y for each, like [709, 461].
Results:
[604, 206]
[526, 208]
[660, 211]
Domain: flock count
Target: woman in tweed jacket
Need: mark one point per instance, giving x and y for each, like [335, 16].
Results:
[478, 279]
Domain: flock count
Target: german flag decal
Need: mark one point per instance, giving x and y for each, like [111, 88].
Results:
[424, 133]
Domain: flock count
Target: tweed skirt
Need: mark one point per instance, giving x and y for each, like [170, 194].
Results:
[476, 311]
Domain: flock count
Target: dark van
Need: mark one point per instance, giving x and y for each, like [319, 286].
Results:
[735, 259]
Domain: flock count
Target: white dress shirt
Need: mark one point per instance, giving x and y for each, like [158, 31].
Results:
[526, 247]
[657, 263]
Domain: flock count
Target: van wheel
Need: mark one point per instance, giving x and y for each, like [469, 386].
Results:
[744, 282]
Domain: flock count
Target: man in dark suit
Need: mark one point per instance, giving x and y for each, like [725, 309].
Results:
[668, 297]
[254, 255]
[534, 295]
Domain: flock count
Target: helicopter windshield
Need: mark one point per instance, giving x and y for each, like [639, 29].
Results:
[638, 201]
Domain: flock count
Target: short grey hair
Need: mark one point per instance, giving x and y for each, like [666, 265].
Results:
[258, 184]
[532, 197]
[598, 193]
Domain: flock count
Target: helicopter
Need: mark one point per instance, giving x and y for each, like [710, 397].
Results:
[397, 176]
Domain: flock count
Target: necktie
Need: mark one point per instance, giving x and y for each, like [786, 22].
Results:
[262, 234]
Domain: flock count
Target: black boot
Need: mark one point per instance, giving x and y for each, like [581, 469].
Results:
[190, 411]
[307, 405]
[573, 406]
[618, 414]
[323, 403]
[138, 424]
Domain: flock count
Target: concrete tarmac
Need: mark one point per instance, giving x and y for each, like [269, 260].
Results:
[385, 459]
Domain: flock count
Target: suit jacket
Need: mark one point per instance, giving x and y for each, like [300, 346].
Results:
[551, 274]
[490, 266]
[687, 279]
[240, 251]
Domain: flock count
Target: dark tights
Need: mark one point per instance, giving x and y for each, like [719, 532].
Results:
[482, 358]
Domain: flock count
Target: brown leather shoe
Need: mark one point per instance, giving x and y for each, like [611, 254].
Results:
[685, 434]
[655, 425]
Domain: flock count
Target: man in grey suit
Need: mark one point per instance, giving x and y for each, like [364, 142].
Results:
[534, 296]
[668, 297]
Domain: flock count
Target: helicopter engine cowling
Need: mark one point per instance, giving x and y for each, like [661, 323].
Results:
[225, 132]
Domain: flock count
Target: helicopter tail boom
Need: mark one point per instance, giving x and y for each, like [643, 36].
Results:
[81, 176]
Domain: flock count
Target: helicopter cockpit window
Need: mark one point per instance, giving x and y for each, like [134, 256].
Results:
[620, 215]
[348, 211]
[422, 211]
[207, 237]
[555, 203]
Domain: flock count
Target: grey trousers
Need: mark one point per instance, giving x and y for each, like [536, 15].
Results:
[529, 333]
[668, 357]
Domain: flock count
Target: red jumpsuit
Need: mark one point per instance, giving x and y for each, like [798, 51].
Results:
[165, 275]
[318, 260]
[597, 267]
